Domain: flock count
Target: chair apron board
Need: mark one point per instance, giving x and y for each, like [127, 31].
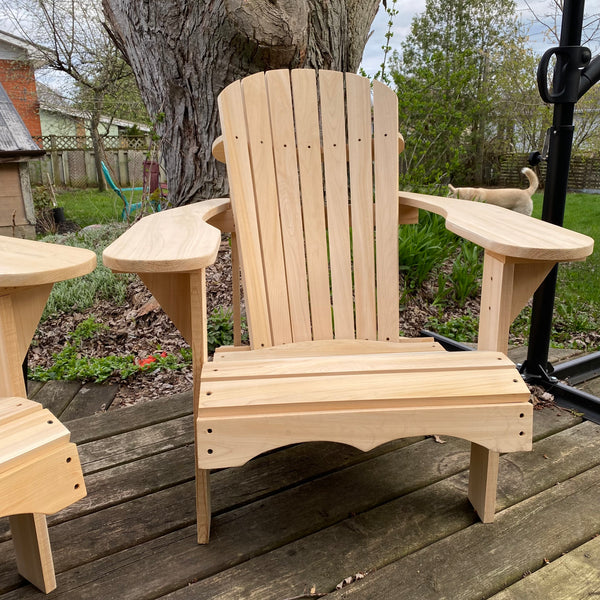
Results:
[251, 406]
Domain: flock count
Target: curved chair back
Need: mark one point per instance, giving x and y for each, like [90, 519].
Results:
[312, 160]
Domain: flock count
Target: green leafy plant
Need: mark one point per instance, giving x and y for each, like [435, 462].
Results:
[86, 330]
[101, 284]
[69, 364]
[422, 248]
[220, 328]
[466, 272]
[391, 11]
[42, 205]
[461, 329]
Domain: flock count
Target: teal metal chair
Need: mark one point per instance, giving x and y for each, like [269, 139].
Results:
[129, 207]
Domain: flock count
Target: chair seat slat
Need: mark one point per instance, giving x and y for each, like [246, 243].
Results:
[366, 390]
[424, 362]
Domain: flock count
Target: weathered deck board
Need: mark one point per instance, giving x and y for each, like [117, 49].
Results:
[303, 515]
[132, 445]
[575, 576]
[114, 422]
[90, 399]
[391, 531]
[56, 395]
[520, 540]
[33, 387]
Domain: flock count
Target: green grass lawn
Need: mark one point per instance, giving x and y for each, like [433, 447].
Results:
[579, 282]
[577, 303]
[90, 206]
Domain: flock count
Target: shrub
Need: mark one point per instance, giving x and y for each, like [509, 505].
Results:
[101, 284]
[69, 365]
[422, 248]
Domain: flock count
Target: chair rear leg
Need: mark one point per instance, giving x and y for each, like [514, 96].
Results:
[203, 505]
[483, 481]
[32, 549]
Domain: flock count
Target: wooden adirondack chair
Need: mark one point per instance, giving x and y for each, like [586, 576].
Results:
[314, 212]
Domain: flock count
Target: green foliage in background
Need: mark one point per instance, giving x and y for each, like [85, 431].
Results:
[101, 284]
[90, 206]
[422, 248]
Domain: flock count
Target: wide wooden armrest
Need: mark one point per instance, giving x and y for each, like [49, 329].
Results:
[502, 231]
[178, 240]
[27, 262]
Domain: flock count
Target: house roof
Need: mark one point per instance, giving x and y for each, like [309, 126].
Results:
[30, 51]
[52, 101]
[15, 141]
[78, 114]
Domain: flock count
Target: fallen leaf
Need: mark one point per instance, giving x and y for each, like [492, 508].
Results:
[349, 580]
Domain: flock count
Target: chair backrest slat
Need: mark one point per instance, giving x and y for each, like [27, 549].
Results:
[306, 113]
[333, 125]
[385, 132]
[260, 144]
[241, 184]
[313, 169]
[360, 160]
[290, 210]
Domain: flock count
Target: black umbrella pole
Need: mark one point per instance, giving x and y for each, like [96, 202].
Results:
[555, 190]
[553, 211]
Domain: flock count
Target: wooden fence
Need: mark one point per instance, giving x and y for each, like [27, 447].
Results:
[69, 161]
[584, 174]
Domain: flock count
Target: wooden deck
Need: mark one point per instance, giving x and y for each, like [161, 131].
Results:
[306, 517]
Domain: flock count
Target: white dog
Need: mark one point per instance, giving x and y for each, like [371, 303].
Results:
[511, 198]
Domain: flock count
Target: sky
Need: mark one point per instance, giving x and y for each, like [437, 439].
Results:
[407, 9]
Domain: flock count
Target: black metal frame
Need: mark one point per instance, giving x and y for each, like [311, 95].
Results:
[574, 74]
[579, 369]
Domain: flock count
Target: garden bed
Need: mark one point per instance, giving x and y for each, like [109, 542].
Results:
[439, 273]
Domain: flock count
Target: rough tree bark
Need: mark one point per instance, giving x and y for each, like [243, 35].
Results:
[184, 52]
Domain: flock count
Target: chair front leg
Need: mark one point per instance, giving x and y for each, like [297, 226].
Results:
[183, 297]
[483, 481]
[506, 287]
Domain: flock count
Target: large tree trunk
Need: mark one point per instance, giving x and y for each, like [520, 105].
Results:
[184, 52]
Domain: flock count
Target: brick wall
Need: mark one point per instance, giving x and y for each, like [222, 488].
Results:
[17, 78]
